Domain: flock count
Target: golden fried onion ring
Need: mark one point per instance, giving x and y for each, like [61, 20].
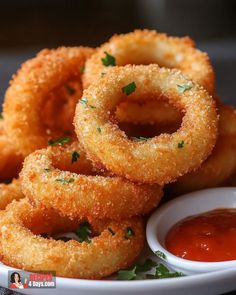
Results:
[10, 192]
[29, 89]
[161, 159]
[82, 193]
[59, 109]
[109, 251]
[221, 163]
[11, 158]
[150, 47]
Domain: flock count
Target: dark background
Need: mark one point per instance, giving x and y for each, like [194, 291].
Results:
[28, 26]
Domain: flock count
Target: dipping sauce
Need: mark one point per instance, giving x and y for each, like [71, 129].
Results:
[208, 237]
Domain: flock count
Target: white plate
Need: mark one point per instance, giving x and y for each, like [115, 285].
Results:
[213, 283]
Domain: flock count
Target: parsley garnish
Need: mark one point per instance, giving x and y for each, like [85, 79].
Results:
[74, 157]
[99, 129]
[180, 144]
[103, 74]
[65, 181]
[160, 254]
[47, 170]
[108, 60]
[59, 141]
[127, 275]
[140, 138]
[82, 69]
[129, 233]
[162, 272]
[70, 90]
[130, 88]
[136, 273]
[183, 88]
[84, 101]
[146, 266]
[84, 232]
[1, 116]
[111, 231]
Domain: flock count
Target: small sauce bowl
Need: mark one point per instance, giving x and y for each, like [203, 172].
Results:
[165, 217]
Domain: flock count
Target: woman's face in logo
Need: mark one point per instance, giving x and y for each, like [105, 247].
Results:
[16, 277]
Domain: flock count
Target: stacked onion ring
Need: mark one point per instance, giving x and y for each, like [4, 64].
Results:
[109, 178]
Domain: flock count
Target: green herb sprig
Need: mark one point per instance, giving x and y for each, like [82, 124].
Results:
[108, 60]
[59, 141]
[184, 87]
[74, 157]
[84, 232]
[130, 88]
[65, 181]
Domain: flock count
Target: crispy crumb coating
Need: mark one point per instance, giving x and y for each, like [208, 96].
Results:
[82, 192]
[29, 89]
[10, 192]
[156, 160]
[221, 163]
[22, 247]
[11, 158]
[151, 47]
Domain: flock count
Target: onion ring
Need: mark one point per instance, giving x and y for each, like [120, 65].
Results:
[10, 192]
[58, 111]
[148, 47]
[221, 163]
[161, 159]
[45, 179]
[11, 159]
[49, 70]
[108, 252]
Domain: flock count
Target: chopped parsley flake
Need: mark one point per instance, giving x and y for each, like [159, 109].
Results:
[140, 138]
[59, 141]
[1, 116]
[160, 254]
[74, 157]
[130, 88]
[47, 170]
[111, 231]
[108, 60]
[65, 181]
[70, 90]
[84, 101]
[183, 88]
[129, 233]
[84, 232]
[103, 74]
[180, 144]
[82, 69]
[99, 129]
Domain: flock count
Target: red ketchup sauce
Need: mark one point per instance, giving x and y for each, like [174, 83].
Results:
[208, 237]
